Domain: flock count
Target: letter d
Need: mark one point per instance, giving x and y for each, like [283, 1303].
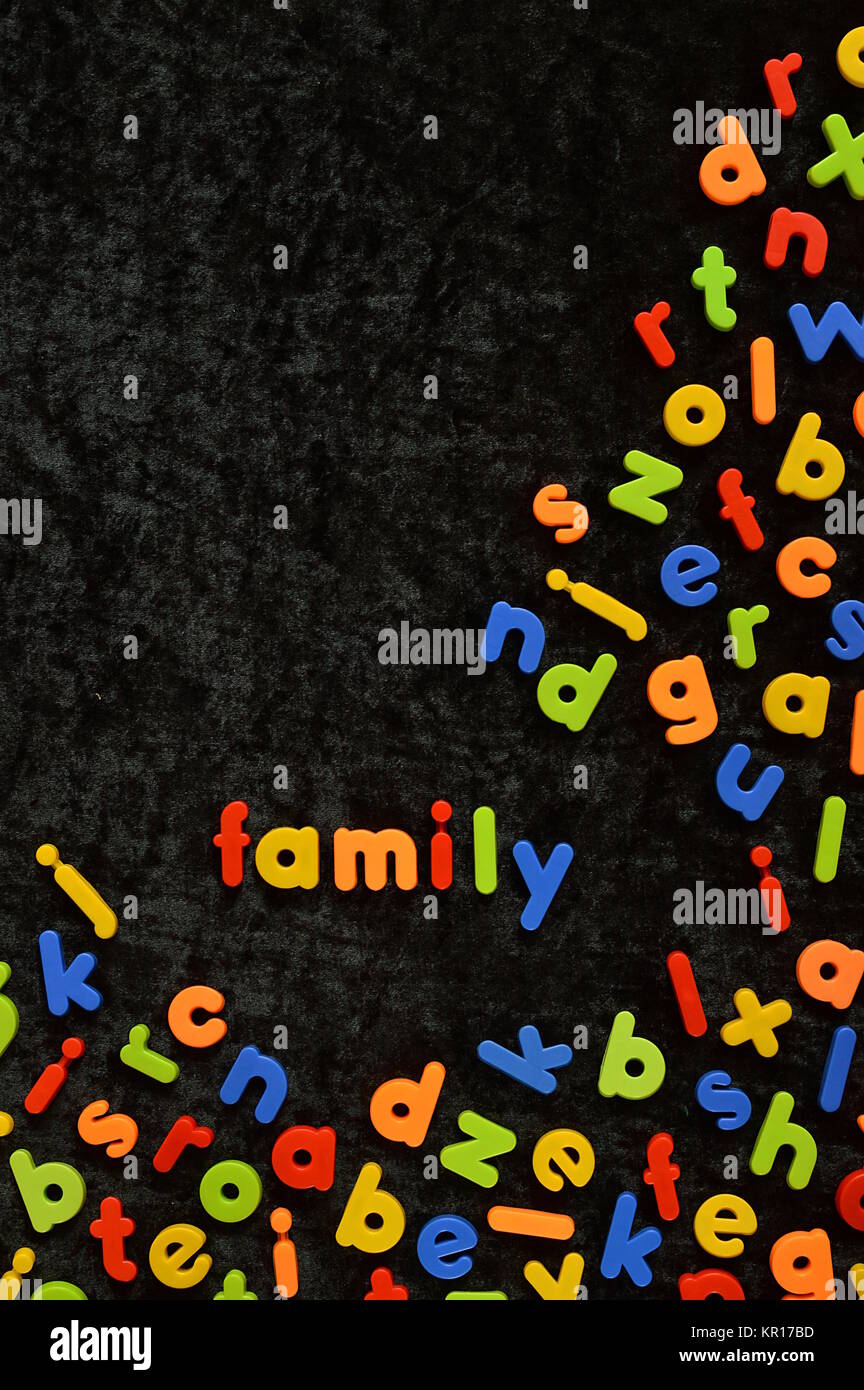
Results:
[419, 1098]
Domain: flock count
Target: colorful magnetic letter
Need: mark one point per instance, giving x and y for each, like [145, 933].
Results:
[65, 985]
[485, 850]
[763, 381]
[753, 803]
[724, 1214]
[302, 845]
[778, 1132]
[849, 1199]
[811, 693]
[566, 1287]
[442, 1246]
[735, 156]
[111, 1227]
[845, 161]
[837, 1065]
[653, 476]
[777, 72]
[197, 999]
[502, 620]
[182, 1133]
[252, 1065]
[807, 448]
[781, 229]
[416, 1099]
[318, 1168]
[774, 906]
[716, 1094]
[829, 839]
[469, 1158]
[837, 322]
[687, 994]
[552, 508]
[232, 841]
[285, 1255]
[53, 1077]
[849, 51]
[541, 880]
[756, 1022]
[814, 551]
[8, 1012]
[604, 605]
[525, 1221]
[738, 509]
[813, 1280]
[382, 1288]
[697, 1287]
[368, 1199]
[846, 970]
[677, 415]
[624, 1250]
[533, 1066]
[847, 620]
[682, 569]
[82, 893]
[693, 708]
[741, 622]
[137, 1055]
[587, 687]
[647, 325]
[856, 742]
[623, 1049]
[171, 1248]
[556, 1147]
[118, 1131]
[441, 847]
[231, 1172]
[662, 1174]
[34, 1183]
[713, 278]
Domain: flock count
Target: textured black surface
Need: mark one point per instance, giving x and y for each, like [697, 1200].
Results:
[259, 647]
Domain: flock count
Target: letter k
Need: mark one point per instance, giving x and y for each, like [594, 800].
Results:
[534, 1067]
[66, 984]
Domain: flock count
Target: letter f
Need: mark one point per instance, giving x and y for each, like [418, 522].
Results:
[231, 840]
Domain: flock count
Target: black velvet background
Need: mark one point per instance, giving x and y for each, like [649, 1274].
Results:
[259, 647]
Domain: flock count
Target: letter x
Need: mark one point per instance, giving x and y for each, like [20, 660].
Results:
[756, 1022]
[847, 158]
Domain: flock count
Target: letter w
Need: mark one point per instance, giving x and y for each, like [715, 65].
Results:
[836, 322]
[652, 476]
[469, 1158]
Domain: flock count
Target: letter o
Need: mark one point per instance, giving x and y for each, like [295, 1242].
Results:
[231, 1172]
[849, 51]
[676, 416]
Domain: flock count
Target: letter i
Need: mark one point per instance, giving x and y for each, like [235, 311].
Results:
[82, 893]
[441, 854]
[53, 1077]
[774, 907]
[284, 1253]
[10, 1285]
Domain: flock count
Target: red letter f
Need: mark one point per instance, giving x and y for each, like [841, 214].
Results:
[232, 841]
